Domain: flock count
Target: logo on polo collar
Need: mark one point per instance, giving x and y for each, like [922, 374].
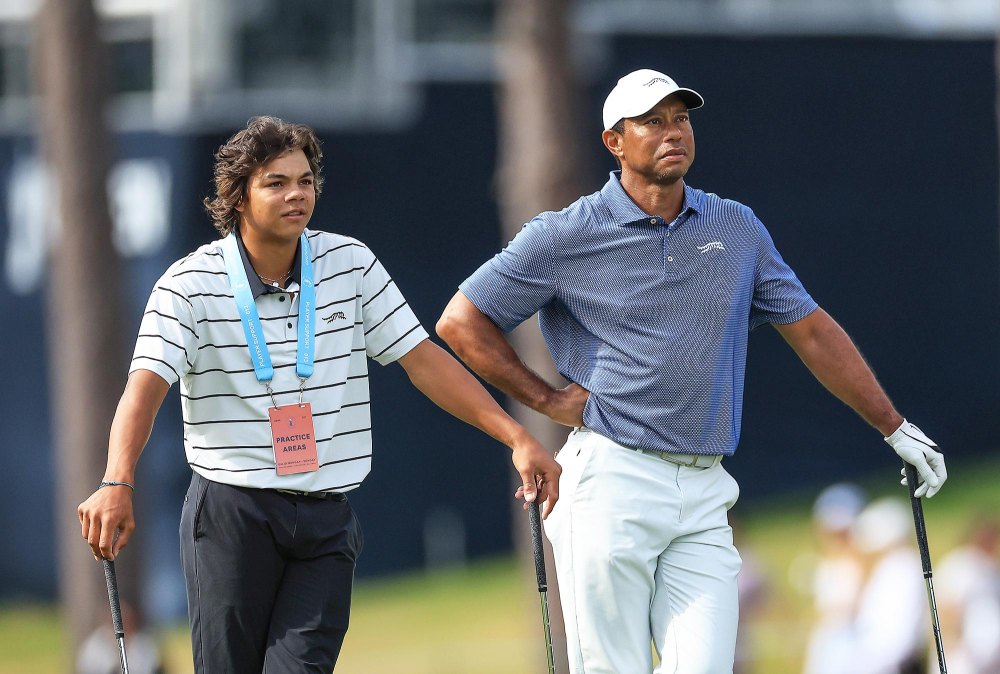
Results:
[712, 245]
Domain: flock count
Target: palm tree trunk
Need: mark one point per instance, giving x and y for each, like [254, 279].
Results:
[539, 169]
[86, 356]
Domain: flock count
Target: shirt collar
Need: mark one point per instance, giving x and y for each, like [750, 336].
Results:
[625, 212]
[258, 287]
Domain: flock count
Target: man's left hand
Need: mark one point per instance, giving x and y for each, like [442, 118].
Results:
[922, 453]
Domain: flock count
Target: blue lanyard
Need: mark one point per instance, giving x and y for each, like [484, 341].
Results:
[252, 328]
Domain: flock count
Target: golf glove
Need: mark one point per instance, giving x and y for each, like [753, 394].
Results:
[922, 453]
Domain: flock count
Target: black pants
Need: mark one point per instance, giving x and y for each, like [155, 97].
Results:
[269, 578]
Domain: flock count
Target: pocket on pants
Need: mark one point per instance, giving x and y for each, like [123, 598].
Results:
[358, 534]
[733, 494]
[194, 503]
[574, 457]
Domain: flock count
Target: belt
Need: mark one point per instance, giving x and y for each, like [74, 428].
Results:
[321, 495]
[689, 460]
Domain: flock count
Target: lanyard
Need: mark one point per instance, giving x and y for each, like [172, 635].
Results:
[252, 328]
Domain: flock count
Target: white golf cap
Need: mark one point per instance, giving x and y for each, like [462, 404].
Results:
[639, 91]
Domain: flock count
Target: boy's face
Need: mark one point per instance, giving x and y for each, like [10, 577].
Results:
[279, 200]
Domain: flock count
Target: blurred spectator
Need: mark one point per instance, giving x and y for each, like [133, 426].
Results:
[837, 580]
[892, 621]
[99, 651]
[968, 595]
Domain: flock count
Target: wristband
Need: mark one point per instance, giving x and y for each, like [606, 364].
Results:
[112, 483]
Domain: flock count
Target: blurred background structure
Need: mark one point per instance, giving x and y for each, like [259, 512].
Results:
[862, 132]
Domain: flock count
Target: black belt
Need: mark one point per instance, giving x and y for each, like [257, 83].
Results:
[321, 495]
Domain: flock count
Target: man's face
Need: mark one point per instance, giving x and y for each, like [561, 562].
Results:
[657, 146]
[280, 199]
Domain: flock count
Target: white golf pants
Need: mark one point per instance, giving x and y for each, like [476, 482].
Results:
[644, 554]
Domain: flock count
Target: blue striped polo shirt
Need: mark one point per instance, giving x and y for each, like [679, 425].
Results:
[651, 317]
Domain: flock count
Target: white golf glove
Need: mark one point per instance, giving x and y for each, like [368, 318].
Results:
[922, 453]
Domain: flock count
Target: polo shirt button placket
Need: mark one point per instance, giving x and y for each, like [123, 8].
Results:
[666, 233]
[291, 312]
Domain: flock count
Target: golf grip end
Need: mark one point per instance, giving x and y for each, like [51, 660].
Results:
[536, 545]
[116, 609]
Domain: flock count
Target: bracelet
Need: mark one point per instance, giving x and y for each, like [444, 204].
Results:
[112, 483]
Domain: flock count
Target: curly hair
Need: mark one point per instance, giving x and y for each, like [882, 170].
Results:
[264, 139]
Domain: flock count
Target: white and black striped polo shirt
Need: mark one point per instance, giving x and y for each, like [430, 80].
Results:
[191, 332]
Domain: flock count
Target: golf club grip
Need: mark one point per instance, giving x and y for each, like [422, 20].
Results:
[536, 545]
[116, 608]
[918, 518]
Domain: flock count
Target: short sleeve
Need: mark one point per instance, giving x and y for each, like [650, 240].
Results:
[778, 295]
[517, 281]
[168, 340]
[391, 328]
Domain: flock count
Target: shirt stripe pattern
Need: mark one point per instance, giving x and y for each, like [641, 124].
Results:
[191, 333]
[652, 317]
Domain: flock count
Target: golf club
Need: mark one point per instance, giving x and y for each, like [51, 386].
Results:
[116, 611]
[543, 588]
[925, 559]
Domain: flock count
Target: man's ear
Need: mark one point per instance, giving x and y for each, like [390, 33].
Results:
[613, 141]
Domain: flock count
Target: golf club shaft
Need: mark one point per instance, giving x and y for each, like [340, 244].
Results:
[925, 560]
[116, 611]
[539, 554]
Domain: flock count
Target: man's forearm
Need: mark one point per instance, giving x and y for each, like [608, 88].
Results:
[482, 346]
[832, 357]
[835, 361]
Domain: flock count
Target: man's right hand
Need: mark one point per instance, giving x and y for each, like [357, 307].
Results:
[565, 405]
[539, 474]
[107, 512]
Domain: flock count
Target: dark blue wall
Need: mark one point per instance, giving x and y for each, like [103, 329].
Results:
[873, 162]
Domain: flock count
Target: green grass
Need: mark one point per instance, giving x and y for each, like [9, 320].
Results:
[484, 619]
[30, 640]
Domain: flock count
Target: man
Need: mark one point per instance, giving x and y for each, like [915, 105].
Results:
[646, 293]
[268, 330]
